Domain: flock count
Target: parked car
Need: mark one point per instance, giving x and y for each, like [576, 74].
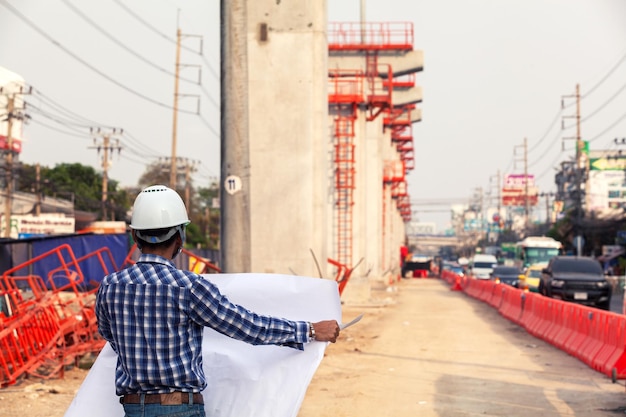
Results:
[458, 269]
[509, 275]
[532, 277]
[577, 279]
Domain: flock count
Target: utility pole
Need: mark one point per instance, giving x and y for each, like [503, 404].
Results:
[173, 168]
[498, 190]
[524, 147]
[579, 169]
[108, 148]
[526, 184]
[8, 200]
[14, 111]
[38, 189]
[175, 121]
[235, 146]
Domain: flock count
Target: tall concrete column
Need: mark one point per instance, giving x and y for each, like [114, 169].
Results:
[287, 60]
[236, 183]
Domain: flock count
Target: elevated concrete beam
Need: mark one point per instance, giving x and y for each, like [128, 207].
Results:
[408, 96]
[406, 63]
[416, 115]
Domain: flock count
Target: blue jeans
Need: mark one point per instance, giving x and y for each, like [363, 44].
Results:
[158, 410]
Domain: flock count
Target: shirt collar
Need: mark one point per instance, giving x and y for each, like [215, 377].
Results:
[150, 258]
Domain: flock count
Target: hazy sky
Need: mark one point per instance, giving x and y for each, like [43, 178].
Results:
[495, 73]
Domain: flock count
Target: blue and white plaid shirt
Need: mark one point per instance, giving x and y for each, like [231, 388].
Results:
[153, 315]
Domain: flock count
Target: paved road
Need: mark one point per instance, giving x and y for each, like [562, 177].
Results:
[426, 351]
[617, 300]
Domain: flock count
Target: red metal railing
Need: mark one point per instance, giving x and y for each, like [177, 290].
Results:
[370, 36]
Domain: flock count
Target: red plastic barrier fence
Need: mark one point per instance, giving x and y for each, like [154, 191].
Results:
[512, 304]
[529, 316]
[558, 317]
[581, 325]
[567, 318]
[615, 362]
[596, 337]
[497, 293]
[548, 326]
[471, 287]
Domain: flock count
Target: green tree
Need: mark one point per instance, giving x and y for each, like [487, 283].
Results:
[76, 182]
[156, 173]
[207, 214]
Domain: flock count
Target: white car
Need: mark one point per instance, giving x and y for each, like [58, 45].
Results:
[481, 266]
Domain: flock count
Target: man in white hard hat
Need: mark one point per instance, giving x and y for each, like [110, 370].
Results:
[153, 315]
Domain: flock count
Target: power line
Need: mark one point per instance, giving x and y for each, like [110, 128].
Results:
[77, 58]
[122, 44]
[166, 37]
[606, 76]
[603, 105]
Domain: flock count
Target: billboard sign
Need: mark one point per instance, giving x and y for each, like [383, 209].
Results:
[515, 188]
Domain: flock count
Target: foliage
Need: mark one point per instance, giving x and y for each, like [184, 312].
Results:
[204, 228]
[83, 185]
[78, 183]
[155, 173]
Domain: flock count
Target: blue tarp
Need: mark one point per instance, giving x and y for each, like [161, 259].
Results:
[81, 245]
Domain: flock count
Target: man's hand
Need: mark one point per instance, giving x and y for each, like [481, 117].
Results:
[326, 331]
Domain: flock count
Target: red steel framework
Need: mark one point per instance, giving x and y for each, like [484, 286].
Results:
[370, 36]
[344, 161]
[346, 94]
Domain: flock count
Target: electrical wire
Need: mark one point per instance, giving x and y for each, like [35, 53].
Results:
[166, 37]
[122, 44]
[606, 76]
[62, 109]
[612, 125]
[85, 63]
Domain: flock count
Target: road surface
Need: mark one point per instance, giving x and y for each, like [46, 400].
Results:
[424, 350]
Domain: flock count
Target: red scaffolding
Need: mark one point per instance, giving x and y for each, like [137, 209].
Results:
[372, 90]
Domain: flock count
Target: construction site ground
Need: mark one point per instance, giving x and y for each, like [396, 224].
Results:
[420, 350]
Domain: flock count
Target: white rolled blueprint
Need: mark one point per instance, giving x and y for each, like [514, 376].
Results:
[243, 380]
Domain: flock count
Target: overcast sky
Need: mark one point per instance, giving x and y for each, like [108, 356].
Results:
[495, 72]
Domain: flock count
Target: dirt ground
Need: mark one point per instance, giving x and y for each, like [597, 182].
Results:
[51, 398]
[420, 349]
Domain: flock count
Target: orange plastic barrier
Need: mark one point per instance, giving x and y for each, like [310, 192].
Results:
[529, 314]
[594, 336]
[559, 316]
[512, 304]
[597, 336]
[581, 326]
[548, 326]
[486, 287]
[614, 361]
[471, 287]
[496, 295]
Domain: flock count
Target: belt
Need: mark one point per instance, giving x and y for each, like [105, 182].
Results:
[172, 398]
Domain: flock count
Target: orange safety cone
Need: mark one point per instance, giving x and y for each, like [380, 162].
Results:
[457, 284]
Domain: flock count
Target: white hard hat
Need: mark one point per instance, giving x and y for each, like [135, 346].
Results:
[158, 207]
